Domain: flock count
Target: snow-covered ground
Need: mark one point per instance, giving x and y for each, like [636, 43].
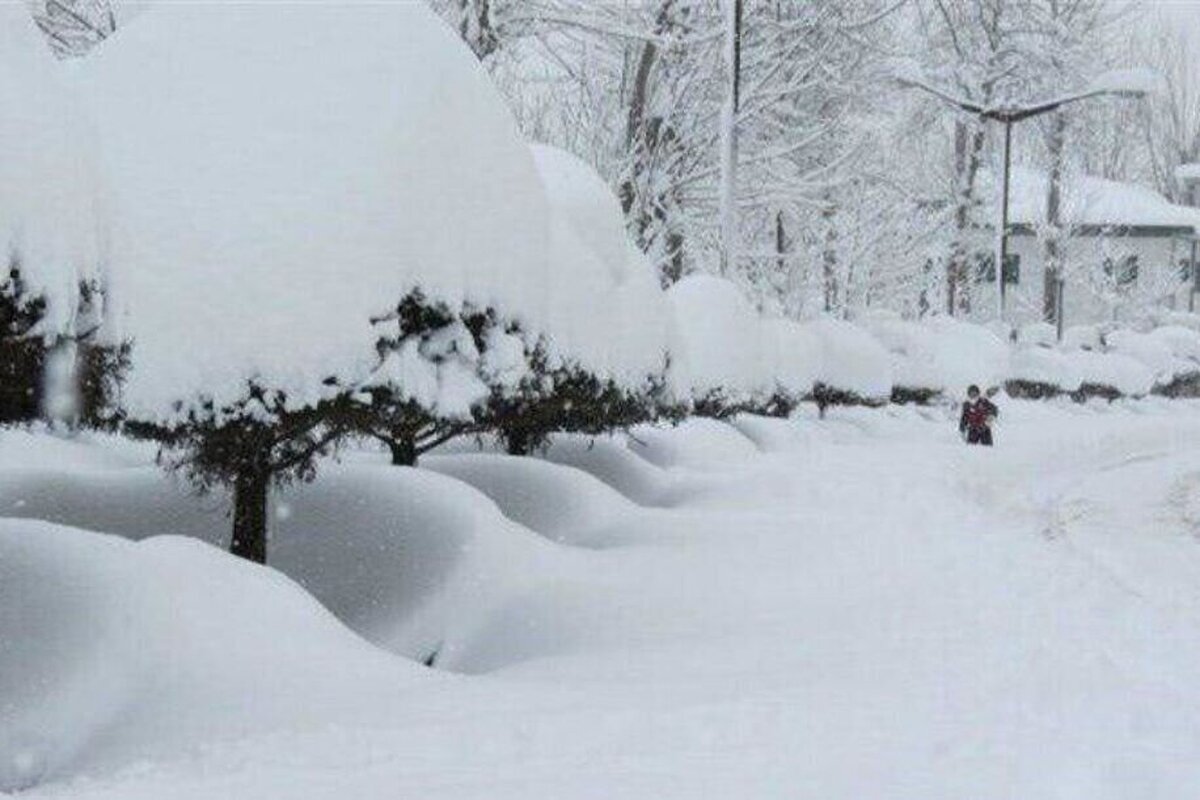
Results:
[854, 607]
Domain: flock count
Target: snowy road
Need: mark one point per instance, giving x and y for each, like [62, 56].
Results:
[880, 614]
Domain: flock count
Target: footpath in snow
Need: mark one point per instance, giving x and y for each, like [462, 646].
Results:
[854, 607]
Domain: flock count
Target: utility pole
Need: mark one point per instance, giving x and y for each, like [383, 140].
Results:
[1002, 230]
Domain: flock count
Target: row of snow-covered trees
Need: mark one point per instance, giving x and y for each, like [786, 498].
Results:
[768, 140]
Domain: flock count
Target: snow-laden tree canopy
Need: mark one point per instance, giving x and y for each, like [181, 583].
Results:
[268, 219]
[609, 314]
[53, 218]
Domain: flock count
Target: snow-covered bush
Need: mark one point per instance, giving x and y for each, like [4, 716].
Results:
[720, 352]
[1038, 372]
[1082, 337]
[938, 356]
[855, 369]
[438, 368]
[278, 220]
[563, 397]
[1155, 352]
[53, 243]
[1040, 334]
[795, 352]
[1109, 375]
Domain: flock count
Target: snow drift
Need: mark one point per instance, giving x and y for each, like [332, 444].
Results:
[115, 650]
[408, 559]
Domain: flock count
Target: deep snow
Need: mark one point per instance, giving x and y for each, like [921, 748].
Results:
[850, 607]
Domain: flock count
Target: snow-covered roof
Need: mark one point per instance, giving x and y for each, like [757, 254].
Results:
[1092, 201]
[266, 218]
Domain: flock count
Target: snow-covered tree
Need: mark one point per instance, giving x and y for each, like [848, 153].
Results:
[439, 367]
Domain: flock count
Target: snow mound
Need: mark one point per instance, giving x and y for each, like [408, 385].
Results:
[114, 649]
[408, 559]
[696, 443]
[562, 503]
[852, 360]
[609, 459]
[354, 156]
[53, 212]
[718, 341]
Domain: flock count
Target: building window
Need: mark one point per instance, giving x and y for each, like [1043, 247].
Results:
[1185, 270]
[1123, 272]
[985, 268]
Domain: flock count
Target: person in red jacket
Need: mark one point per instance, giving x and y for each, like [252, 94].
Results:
[977, 415]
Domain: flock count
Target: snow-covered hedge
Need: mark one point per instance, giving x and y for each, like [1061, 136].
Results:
[719, 347]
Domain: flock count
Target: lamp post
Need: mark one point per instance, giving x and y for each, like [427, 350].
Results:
[1124, 83]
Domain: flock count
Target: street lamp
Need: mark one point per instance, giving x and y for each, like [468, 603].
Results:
[1134, 83]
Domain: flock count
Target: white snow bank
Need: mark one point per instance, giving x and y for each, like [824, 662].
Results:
[406, 558]
[697, 443]
[562, 503]
[851, 360]
[114, 650]
[610, 460]
[354, 155]
[53, 213]
[717, 342]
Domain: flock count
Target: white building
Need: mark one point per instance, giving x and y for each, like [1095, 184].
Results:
[1128, 250]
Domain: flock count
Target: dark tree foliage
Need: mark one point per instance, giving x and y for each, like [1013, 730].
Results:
[565, 398]
[249, 447]
[405, 426]
[22, 353]
[717, 404]
[825, 396]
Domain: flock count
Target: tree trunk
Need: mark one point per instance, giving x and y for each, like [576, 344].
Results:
[517, 442]
[967, 161]
[729, 136]
[1053, 244]
[404, 452]
[249, 539]
[829, 260]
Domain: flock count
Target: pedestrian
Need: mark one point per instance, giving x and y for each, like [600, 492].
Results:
[978, 412]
